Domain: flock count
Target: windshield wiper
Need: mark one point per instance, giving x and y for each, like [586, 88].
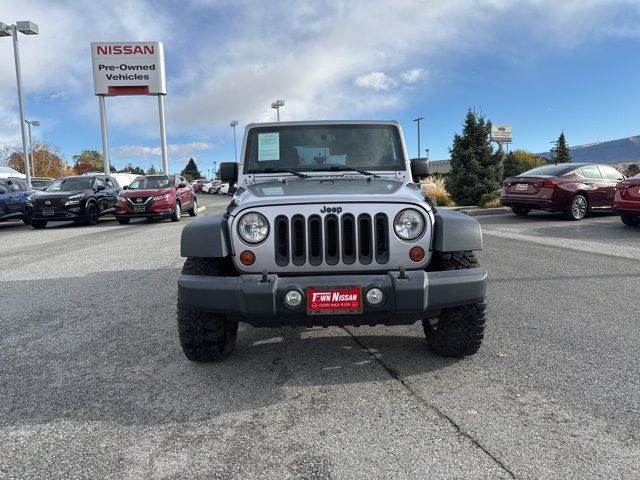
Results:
[279, 170]
[344, 168]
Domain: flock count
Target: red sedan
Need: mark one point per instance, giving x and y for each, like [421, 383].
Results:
[572, 188]
[626, 201]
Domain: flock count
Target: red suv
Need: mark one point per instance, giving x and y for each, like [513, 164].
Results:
[572, 188]
[627, 201]
[156, 197]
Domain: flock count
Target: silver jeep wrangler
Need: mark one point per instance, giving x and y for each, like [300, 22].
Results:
[327, 228]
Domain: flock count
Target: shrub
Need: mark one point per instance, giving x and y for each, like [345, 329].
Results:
[434, 187]
[490, 200]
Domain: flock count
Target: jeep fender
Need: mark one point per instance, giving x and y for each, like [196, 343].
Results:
[456, 231]
[206, 237]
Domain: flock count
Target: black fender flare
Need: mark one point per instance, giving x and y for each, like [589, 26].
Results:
[456, 232]
[206, 237]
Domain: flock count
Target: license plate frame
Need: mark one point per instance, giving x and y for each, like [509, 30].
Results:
[48, 212]
[522, 187]
[139, 208]
[331, 305]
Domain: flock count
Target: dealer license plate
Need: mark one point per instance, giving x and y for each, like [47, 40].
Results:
[48, 212]
[522, 187]
[334, 301]
[139, 208]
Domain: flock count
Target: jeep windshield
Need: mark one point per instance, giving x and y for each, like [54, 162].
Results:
[142, 183]
[360, 148]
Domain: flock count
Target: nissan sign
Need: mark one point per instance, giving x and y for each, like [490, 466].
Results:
[128, 68]
[501, 133]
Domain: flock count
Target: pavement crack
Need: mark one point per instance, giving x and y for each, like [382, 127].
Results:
[393, 373]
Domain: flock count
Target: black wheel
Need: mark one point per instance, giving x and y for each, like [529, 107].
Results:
[630, 220]
[38, 223]
[193, 211]
[205, 336]
[212, 191]
[521, 211]
[91, 213]
[176, 215]
[578, 208]
[123, 221]
[457, 331]
[26, 220]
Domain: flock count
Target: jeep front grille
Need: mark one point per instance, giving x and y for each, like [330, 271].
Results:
[310, 239]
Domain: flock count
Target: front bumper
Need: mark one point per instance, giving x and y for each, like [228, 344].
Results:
[59, 214]
[258, 300]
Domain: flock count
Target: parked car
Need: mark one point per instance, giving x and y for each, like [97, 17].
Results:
[572, 188]
[223, 189]
[156, 197]
[80, 198]
[212, 186]
[40, 183]
[626, 201]
[13, 197]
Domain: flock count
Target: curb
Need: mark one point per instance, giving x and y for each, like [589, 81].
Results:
[479, 212]
[202, 208]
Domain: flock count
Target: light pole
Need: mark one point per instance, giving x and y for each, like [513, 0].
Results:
[417, 120]
[28, 28]
[35, 123]
[277, 104]
[214, 171]
[552, 150]
[427, 150]
[234, 124]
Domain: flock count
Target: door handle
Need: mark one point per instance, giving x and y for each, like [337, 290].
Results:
[587, 183]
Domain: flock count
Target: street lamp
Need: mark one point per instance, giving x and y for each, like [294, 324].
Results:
[234, 124]
[427, 150]
[553, 150]
[35, 123]
[28, 28]
[417, 120]
[277, 104]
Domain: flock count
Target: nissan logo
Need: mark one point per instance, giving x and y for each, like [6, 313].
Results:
[139, 200]
[47, 202]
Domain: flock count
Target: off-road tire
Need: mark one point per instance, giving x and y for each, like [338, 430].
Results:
[205, 336]
[123, 221]
[578, 208]
[521, 211]
[177, 212]
[457, 331]
[193, 211]
[630, 220]
[38, 223]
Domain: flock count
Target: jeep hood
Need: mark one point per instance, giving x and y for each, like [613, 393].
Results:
[329, 190]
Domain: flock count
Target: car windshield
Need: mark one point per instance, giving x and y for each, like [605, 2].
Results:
[71, 184]
[547, 170]
[323, 148]
[141, 183]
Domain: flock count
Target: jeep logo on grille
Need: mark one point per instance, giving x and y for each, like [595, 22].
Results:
[326, 209]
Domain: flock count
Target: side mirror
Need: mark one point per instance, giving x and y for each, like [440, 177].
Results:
[229, 172]
[125, 187]
[99, 188]
[2, 191]
[182, 185]
[419, 169]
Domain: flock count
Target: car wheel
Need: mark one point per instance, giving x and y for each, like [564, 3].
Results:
[521, 211]
[92, 214]
[123, 221]
[457, 331]
[193, 211]
[630, 220]
[38, 223]
[26, 220]
[212, 191]
[205, 336]
[177, 212]
[578, 208]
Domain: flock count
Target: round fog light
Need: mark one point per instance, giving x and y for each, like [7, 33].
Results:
[293, 298]
[247, 258]
[375, 296]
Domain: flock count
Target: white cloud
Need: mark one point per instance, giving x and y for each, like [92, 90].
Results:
[375, 81]
[174, 150]
[413, 76]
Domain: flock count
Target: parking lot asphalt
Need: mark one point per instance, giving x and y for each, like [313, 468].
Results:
[93, 383]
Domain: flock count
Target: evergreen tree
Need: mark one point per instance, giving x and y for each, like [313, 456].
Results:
[475, 168]
[152, 170]
[191, 171]
[563, 155]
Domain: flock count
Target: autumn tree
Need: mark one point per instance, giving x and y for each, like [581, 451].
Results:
[191, 171]
[563, 155]
[45, 161]
[519, 161]
[89, 161]
[475, 168]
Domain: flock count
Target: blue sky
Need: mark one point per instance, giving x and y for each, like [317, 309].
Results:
[542, 66]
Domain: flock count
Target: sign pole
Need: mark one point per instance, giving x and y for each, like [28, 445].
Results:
[163, 136]
[25, 152]
[105, 135]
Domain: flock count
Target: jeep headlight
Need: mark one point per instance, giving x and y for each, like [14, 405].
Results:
[408, 224]
[253, 227]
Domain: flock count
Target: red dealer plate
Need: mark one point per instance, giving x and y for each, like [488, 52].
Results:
[334, 301]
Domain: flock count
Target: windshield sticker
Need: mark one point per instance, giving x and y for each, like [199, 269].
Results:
[268, 147]
[337, 159]
[272, 191]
